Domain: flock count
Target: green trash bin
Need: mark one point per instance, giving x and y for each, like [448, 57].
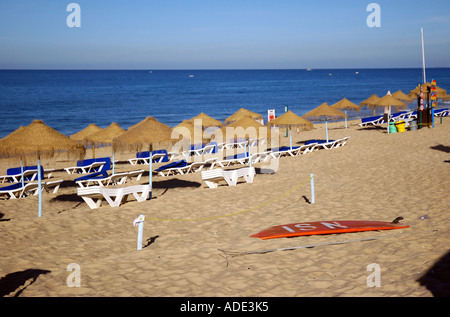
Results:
[392, 127]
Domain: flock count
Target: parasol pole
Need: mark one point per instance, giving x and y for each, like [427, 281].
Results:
[423, 58]
[39, 185]
[21, 170]
[150, 170]
[326, 127]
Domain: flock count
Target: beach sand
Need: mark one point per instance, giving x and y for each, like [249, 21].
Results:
[199, 249]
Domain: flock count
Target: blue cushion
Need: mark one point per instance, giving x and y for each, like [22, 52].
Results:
[96, 175]
[180, 163]
[318, 141]
[105, 167]
[13, 186]
[16, 171]
[146, 154]
[370, 119]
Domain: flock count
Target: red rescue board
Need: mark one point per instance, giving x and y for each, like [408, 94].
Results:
[325, 227]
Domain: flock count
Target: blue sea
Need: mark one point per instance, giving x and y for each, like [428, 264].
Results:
[69, 100]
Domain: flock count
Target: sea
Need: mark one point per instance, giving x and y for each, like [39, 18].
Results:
[69, 100]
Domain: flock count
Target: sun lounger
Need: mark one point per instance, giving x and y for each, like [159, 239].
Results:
[102, 178]
[16, 191]
[261, 157]
[90, 165]
[341, 142]
[158, 156]
[212, 178]
[441, 112]
[285, 150]
[15, 175]
[371, 120]
[94, 195]
[182, 167]
[323, 144]
[240, 158]
[51, 185]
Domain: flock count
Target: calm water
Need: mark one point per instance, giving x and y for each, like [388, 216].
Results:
[68, 100]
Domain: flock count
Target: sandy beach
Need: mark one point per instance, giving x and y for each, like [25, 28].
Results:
[196, 239]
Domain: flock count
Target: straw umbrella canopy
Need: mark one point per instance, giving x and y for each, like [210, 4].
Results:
[387, 102]
[90, 129]
[324, 112]
[245, 127]
[440, 92]
[345, 105]
[190, 132]
[105, 137]
[368, 101]
[400, 95]
[242, 112]
[145, 133]
[39, 140]
[290, 119]
[206, 121]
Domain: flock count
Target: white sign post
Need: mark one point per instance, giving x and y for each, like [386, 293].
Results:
[139, 222]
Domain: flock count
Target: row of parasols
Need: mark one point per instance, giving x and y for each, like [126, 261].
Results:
[40, 140]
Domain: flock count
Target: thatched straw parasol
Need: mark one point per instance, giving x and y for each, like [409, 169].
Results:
[90, 129]
[39, 140]
[323, 113]
[188, 131]
[144, 133]
[246, 127]
[346, 105]
[387, 102]
[290, 119]
[400, 95]
[206, 121]
[104, 137]
[440, 92]
[242, 113]
[371, 99]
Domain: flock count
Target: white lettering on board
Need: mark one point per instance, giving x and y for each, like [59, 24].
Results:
[304, 226]
[288, 229]
[332, 225]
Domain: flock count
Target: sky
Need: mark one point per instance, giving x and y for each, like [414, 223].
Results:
[223, 34]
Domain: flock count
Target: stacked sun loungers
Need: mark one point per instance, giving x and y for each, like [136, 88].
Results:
[212, 178]
[94, 195]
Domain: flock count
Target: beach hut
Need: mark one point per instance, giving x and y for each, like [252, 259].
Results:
[387, 102]
[104, 137]
[145, 133]
[39, 140]
[242, 112]
[324, 113]
[346, 105]
[90, 129]
[290, 119]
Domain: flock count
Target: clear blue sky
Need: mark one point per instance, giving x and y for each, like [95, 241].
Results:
[222, 34]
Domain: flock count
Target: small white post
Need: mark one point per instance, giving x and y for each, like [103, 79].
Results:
[139, 221]
[313, 200]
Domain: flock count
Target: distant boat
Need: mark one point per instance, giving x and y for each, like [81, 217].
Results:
[356, 73]
[191, 76]
[150, 71]
[309, 69]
